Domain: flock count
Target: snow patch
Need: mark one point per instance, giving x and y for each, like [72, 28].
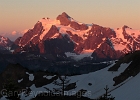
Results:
[48, 77]
[20, 80]
[55, 36]
[119, 47]
[99, 45]
[31, 76]
[83, 54]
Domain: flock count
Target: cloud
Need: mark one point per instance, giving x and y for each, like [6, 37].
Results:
[14, 33]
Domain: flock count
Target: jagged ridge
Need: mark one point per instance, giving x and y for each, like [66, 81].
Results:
[89, 40]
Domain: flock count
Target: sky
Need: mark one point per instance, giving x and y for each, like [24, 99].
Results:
[16, 16]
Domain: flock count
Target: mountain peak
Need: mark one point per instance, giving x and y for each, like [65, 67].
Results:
[64, 14]
[125, 26]
[64, 19]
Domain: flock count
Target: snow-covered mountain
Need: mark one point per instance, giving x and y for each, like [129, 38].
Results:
[66, 36]
[122, 78]
[5, 43]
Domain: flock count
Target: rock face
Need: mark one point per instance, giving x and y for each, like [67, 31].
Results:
[132, 70]
[23, 77]
[97, 35]
[57, 46]
[64, 34]
[32, 34]
[64, 19]
[105, 52]
[17, 41]
[77, 26]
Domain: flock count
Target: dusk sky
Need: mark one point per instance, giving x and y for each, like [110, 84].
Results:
[18, 15]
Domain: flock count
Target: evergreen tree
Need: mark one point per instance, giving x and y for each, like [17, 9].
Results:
[63, 83]
[106, 96]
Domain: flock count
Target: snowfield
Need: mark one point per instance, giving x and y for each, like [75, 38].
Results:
[76, 57]
[128, 91]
